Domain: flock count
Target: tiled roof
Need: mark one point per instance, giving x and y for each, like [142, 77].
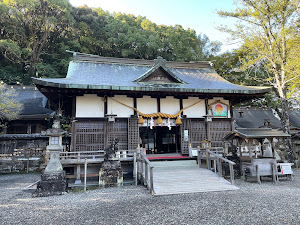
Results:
[254, 117]
[295, 118]
[34, 102]
[256, 133]
[100, 73]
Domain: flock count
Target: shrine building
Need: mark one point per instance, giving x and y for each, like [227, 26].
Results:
[162, 106]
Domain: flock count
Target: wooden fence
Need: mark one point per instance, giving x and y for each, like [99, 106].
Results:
[216, 159]
[144, 171]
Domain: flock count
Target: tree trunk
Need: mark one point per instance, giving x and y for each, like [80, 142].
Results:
[285, 122]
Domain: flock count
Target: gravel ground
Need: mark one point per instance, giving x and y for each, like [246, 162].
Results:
[267, 203]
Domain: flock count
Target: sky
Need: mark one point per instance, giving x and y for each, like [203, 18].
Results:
[199, 15]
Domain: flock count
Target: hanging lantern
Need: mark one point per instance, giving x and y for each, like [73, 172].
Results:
[178, 121]
[141, 120]
[159, 120]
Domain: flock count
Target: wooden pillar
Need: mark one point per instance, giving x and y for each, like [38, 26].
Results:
[249, 142]
[134, 105]
[105, 105]
[272, 147]
[74, 107]
[29, 128]
[181, 105]
[231, 117]
[206, 106]
[158, 104]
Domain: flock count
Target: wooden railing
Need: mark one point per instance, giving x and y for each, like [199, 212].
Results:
[79, 157]
[125, 155]
[217, 160]
[144, 171]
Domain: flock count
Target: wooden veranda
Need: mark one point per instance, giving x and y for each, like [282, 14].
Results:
[178, 177]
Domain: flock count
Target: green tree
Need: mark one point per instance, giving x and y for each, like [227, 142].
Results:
[35, 34]
[29, 25]
[268, 29]
[10, 108]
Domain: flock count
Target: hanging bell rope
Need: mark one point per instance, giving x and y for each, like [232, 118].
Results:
[141, 120]
[178, 121]
[159, 120]
[158, 114]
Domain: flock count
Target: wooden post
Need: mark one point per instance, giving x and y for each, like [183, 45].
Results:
[198, 156]
[142, 169]
[215, 166]
[208, 160]
[85, 172]
[231, 173]
[220, 167]
[135, 168]
[138, 168]
[151, 180]
[27, 162]
[274, 173]
[257, 175]
[146, 174]
[249, 148]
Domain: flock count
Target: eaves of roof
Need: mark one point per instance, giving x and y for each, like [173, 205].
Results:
[256, 133]
[153, 88]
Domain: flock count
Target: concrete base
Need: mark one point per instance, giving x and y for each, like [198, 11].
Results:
[51, 184]
[77, 182]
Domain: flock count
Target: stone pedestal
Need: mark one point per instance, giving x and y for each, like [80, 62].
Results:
[111, 174]
[51, 184]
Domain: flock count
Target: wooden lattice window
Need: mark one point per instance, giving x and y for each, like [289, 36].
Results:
[133, 133]
[198, 132]
[219, 129]
[88, 136]
[118, 129]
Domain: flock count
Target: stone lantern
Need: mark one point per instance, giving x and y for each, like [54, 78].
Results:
[53, 180]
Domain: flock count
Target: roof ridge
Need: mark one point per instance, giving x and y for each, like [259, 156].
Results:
[143, 62]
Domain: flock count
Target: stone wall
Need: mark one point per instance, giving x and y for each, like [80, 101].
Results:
[10, 165]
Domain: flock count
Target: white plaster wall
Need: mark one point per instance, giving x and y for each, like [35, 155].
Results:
[118, 109]
[196, 111]
[89, 106]
[210, 101]
[169, 105]
[147, 104]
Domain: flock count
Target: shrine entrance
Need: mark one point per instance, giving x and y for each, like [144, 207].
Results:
[160, 140]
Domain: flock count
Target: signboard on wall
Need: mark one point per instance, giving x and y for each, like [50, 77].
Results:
[219, 109]
[186, 135]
